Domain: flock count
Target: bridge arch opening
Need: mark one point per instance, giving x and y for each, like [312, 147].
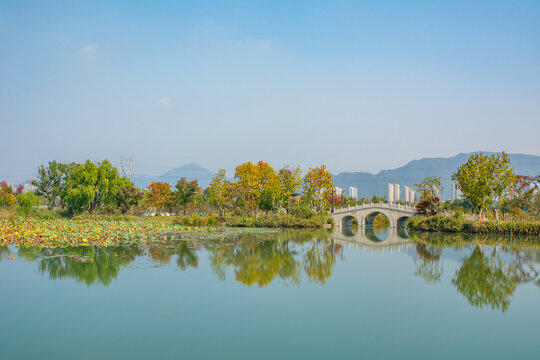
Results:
[349, 221]
[377, 219]
[402, 221]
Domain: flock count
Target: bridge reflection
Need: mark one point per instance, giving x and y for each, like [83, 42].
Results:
[369, 238]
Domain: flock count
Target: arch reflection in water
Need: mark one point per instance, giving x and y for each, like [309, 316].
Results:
[373, 238]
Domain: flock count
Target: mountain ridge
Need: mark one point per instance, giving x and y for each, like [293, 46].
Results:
[367, 183]
[416, 170]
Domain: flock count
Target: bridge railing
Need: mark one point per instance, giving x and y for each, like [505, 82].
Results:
[405, 207]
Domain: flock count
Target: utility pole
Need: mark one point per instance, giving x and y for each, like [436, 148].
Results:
[126, 165]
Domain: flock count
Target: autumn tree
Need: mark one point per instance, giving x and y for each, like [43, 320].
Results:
[317, 188]
[258, 179]
[128, 197]
[159, 195]
[219, 192]
[185, 191]
[429, 202]
[7, 198]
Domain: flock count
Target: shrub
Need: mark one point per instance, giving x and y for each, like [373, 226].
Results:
[27, 203]
[458, 214]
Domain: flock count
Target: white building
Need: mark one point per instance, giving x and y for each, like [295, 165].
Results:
[411, 196]
[339, 191]
[456, 192]
[353, 192]
[407, 190]
[390, 193]
[397, 193]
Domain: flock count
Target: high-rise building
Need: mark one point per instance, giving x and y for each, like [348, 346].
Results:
[407, 190]
[353, 192]
[456, 192]
[390, 193]
[397, 193]
[339, 191]
[411, 196]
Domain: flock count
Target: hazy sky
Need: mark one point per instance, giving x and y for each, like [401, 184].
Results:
[356, 85]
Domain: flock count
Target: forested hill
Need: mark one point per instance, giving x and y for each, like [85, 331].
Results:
[416, 170]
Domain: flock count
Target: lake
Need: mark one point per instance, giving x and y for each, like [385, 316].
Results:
[351, 294]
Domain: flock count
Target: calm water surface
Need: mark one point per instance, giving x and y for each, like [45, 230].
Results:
[288, 295]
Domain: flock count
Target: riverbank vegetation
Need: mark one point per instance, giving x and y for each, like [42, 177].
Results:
[257, 196]
[457, 224]
[496, 200]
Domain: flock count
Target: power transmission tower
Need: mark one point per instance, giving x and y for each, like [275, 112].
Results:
[126, 165]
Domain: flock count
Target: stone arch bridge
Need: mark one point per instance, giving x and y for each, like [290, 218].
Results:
[365, 214]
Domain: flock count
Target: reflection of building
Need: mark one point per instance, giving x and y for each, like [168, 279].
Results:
[353, 192]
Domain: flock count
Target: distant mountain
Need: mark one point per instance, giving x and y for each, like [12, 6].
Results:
[415, 171]
[190, 172]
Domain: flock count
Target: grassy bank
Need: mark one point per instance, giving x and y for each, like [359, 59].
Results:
[450, 224]
[260, 221]
[278, 221]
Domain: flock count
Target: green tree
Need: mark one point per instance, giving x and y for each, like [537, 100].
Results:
[27, 203]
[290, 180]
[485, 179]
[93, 185]
[218, 192]
[51, 181]
[185, 191]
[429, 187]
[377, 199]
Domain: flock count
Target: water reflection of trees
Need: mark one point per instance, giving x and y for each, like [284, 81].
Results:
[91, 265]
[4, 251]
[488, 276]
[255, 258]
[260, 259]
[485, 280]
[428, 264]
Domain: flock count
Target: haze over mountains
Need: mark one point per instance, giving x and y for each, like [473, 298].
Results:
[367, 183]
[190, 171]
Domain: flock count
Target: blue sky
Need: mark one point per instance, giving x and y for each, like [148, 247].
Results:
[356, 85]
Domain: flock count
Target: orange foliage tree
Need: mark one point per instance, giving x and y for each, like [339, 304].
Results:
[7, 198]
[159, 195]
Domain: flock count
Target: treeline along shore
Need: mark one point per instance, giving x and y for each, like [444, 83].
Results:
[495, 199]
